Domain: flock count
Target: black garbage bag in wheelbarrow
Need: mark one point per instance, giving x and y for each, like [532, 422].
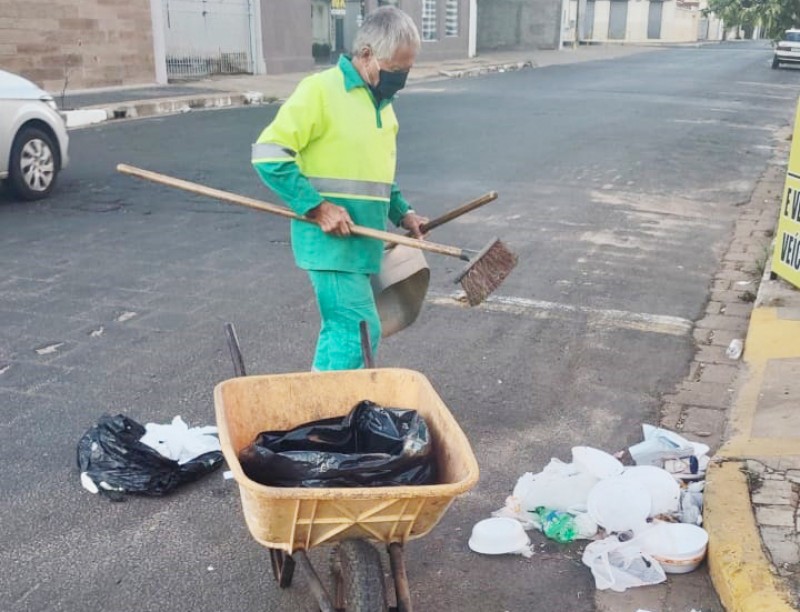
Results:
[370, 447]
[114, 461]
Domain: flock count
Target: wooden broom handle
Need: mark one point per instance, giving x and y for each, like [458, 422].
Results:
[233, 198]
[457, 212]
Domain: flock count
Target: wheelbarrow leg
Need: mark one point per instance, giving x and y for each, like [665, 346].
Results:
[236, 351]
[282, 567]
[401, 588]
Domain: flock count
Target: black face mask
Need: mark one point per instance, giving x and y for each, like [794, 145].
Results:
[389, 83]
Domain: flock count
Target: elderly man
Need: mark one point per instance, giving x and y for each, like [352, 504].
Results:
[330, 154]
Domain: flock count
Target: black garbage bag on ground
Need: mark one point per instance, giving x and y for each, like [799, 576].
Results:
[112, 457]
[370, 447]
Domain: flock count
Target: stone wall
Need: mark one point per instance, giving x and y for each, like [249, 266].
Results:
[95, 43]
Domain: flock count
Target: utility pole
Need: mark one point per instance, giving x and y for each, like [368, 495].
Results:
[577, 41]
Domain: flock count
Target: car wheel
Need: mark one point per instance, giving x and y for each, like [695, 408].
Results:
[33, 166]
[775, 62]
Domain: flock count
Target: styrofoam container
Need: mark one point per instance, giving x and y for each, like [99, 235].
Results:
[679, 547]
[680, 566]
[598, 463]
[498, 536]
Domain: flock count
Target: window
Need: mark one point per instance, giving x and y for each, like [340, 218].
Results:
[451, 18]
[430, 28]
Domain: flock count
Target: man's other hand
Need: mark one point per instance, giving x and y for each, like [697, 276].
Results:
[413, 223]
[332, 219]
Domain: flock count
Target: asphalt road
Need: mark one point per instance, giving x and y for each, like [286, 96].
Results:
[619, 182]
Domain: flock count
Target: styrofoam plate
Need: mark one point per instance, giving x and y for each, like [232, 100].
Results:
[665, 492]
[619, 504]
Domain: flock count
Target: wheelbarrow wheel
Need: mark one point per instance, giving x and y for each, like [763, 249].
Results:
[359, 584]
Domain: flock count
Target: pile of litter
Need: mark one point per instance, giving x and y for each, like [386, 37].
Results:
[643, 519]
[118, 456]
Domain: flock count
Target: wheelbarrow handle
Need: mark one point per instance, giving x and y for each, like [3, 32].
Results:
[366, 345]
[235, 349]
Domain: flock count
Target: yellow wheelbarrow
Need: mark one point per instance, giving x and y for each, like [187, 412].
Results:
[291, 521]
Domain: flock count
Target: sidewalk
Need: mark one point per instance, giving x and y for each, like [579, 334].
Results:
[752, 494]
[95, 106]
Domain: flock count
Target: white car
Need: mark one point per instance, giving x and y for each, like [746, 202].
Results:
[34, 143]
[787, 51]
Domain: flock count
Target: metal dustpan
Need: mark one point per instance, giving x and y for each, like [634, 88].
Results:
[400, 288]
[402, 283]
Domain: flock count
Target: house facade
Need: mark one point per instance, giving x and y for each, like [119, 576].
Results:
[106, 43]
[80, 44]
[640, 21]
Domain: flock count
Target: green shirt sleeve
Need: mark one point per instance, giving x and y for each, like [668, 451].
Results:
[291, 185]
[398, 206]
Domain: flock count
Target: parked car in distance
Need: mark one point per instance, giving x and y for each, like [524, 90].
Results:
[34, 143]
[787, 51]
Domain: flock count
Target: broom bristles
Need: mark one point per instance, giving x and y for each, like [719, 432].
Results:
[487, 271]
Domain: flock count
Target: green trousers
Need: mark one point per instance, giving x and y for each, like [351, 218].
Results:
[344, 299]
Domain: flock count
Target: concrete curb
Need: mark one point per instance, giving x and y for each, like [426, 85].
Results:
[741, 573]
[478, 70]
[91, 115]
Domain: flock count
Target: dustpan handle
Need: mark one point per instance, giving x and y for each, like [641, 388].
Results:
[366, 346]
[457, 212]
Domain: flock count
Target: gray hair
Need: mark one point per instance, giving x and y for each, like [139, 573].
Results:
[385, 30]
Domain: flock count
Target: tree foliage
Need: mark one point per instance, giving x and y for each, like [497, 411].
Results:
[774, 16]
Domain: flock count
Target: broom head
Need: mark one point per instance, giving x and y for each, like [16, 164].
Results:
[486, 271]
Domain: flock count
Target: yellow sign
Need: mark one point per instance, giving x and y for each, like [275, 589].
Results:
[786, 260]
[338, 8]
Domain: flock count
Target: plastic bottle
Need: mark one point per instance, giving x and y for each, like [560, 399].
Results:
[557, 525]
[735, 348]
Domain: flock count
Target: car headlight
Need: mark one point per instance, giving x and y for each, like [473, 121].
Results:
[50, 102]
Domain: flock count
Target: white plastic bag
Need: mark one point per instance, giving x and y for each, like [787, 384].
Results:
[179, 442]
[660, 445]
[620, 566]
[559, 486]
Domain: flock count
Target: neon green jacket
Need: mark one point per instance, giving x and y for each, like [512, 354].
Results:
[331, 141]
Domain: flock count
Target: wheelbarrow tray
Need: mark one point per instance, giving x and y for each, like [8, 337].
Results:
[289, 518]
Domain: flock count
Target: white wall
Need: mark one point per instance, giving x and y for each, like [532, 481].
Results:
[677, 24]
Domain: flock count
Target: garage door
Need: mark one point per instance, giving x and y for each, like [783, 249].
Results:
[618, 20]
